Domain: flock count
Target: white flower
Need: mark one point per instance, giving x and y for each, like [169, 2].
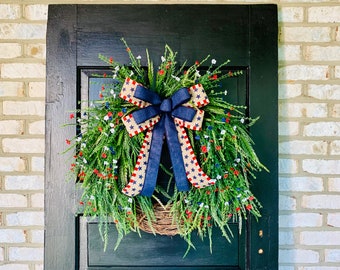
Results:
[186, 201]
[78, 139]
[84, 160]
[175, 77]
[92, 197]
[114, 161]
[83, 145]
[218, 177]
[105, 148]
[131, 73]
[106, 163]
[223, 132]
[197, 73]
[106, 118]
[138, 57]
[163, 59]
[237, 160]
[201, 205]
[234, 127]
[130, 200]
[206, 206]
[112, 130]
[116, 68]
[242, 120]
[213, 61]
[225, 92]
[112, 125]
[226, 203]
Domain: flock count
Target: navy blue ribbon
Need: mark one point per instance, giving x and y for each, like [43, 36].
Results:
[168, 109]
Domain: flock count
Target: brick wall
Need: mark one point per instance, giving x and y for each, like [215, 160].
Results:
[309, 128]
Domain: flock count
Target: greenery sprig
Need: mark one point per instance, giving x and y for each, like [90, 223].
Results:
[105, 155]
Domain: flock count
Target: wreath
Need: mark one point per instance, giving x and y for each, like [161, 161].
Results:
[119, 142]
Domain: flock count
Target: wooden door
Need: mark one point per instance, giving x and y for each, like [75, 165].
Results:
[245, 34]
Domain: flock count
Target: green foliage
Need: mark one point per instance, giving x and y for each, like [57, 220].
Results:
[105, 155]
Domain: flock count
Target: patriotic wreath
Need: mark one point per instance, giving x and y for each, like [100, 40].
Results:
[119, 145]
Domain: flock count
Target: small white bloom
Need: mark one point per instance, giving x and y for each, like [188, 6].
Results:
[218, 177]
[201, 205]
[242, 120]
[163, 59]
[138, 57]
[116, 68]
[206, 136]
[91, 197]
[131, 73]
[112, 125]
[237, 160]
[175, 77]
[239, 195]
[83, 145]
[225, 92]
[186, 201]
[78, 139]
[114, 161]
[106, 118]
[213, 61]
[130, 200]
[226, 203]
[112, 130]
[206, 206]
[234, 127]
[105, 148]
[106, 163]
[223, 132]
[197, 73]
[112, 92]
[84, 160]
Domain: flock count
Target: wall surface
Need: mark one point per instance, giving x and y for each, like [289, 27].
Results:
[309, 128]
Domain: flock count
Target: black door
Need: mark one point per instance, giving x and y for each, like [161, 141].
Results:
[76, 35]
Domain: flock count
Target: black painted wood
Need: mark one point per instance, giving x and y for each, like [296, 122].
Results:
[246, 34]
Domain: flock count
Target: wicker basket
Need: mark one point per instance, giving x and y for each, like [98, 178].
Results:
[163, 224]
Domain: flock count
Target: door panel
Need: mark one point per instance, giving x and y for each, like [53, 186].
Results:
[245, 34]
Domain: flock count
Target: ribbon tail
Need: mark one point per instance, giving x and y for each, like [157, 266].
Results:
[194, 172]
[153, 162]
[176, 155]
[136, 183]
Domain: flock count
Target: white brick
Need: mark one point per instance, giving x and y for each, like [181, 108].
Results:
[290, 53]
[25, 219]
[23, 145]
[288, 128]
[24, 182]
[25, 254]
[36, 50]
[334, 184]
[305, 34]
[23, 70]
[322, 53]
[12, 200]
[324, 14]
[301, 220]
[38, 164]
[36, 89]
[10, 50]
[303, 147]
[336, 110]
[335, 147]
[38, 267]
[321, 202]
[291, 14]
[332, 255]
[1, 255]
[303, 72]
[298, 256]
[286, 238]
[287, 165]
[37, 200]
[322, 129]
[11, 127]
[14, 267]
[301, 184]
[36, 12]
[337, 70]
[10, 11]
[313, 110]
[333, 219]
[327, 91]
[24, 108]
[22, 31]
[289, 90]
[319, 166]
[12, 236]
[37, 236]
[10, 164]
[11, 89]
[37, 127]
[287, 203]
[320, 238]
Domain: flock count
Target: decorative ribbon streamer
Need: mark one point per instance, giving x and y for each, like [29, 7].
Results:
[167, 117]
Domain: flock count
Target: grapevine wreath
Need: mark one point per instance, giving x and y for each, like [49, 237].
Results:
[119, 145]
